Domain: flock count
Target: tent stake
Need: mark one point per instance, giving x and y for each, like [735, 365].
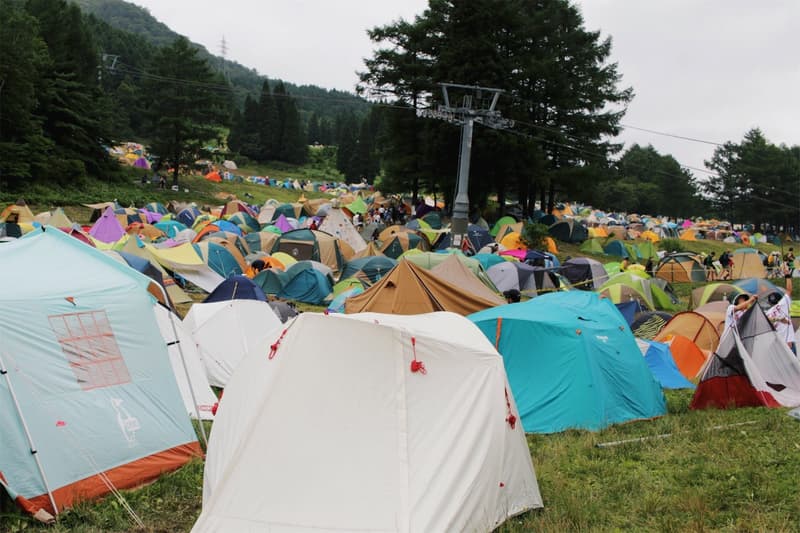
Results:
[665, 435]
[31, 445]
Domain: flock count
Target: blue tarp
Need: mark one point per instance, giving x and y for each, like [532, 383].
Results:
[662, 365]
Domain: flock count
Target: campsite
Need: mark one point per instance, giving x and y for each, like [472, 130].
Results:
[696, 468]
[416, 267]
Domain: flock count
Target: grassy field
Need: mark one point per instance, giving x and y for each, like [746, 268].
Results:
[718, 471]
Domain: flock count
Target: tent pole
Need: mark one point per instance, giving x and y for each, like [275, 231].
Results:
[185, 371]
[31, 445]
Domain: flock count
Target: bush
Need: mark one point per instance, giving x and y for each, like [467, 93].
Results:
[672, 245]
[533, 235]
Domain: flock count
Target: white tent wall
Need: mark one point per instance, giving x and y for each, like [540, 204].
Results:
[339, 225]
[226, 332]
[185, 359]
[402, 451]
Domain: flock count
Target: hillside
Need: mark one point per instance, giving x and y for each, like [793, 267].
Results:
[138, 20]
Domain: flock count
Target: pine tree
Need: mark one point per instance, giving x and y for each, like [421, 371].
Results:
[267, 125]
[314, 129]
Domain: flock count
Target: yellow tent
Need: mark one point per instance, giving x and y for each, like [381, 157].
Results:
[513, 241]
[650, 236]
[598, 232]
[688, 235]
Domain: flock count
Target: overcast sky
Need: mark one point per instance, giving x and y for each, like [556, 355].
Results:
[709, 69]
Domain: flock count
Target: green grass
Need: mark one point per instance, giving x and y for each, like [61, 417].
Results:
[737, 478]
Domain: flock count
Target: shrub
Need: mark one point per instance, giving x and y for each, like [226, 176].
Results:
[533, 235]
[672, 245]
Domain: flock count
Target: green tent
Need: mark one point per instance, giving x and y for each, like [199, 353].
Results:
[592, 246]
[357, 206]
[500, 223]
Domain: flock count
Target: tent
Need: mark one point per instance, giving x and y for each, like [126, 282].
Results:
[584, 273]
[505, 229]
[395, 244]
[502, 221]
[514, 275]
[688, 357]
[647, 324]
[107, 228]
[218, 258]
[236, 288]
[339, 225]
[747, 263]
[618, 249]
[420, 432]
[190, 374]
[85, 378]
[225, 332]
[488, 260]
[303, 283]
[409, 290]
[631, 286]
[572, 362]
[694, 326]
[315, 245]
[682, 268]
[714, 313]
[715, 292]
[751, 367]
[593, 246]
[569, 231]
[659, 360]
[454, 271]
[368, 269]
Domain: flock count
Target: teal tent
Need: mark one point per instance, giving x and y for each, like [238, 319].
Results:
[303, 283]
[218, 259]
[572, 362]
[85, 377]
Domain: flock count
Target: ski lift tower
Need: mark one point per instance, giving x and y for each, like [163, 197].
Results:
[477, 105]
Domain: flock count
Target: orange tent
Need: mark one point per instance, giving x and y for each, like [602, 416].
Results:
[214, 176]
[688, 357]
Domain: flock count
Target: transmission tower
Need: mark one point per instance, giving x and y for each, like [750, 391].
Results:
[477, 105]
[223, 52]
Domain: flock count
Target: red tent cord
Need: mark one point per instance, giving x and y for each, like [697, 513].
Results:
[417, 366]
[511, 419]
[273, 349]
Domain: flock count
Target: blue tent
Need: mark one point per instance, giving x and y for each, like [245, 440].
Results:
[187, 216]
[662, 365]
[303, 283]
[488, 260]
[616, 248]
[236, 288]
[572, 362]
[218, 259]
[337, 304]
[224, 225]
[629, 309]
[170, 227]
[370, 268]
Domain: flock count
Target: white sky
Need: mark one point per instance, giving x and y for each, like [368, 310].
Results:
[709, 69]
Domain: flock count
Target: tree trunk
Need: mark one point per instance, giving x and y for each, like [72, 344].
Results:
[542, 202]
[551, 200]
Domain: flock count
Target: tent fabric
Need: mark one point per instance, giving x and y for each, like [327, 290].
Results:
[569, 231]
[502, 221]
[341, 227]
[629, 310]
[694, 326]
[107, 228]
[584, 273]
[218, 258]
[681, 268]
[512, 275]
[714, 292]
[396, 244]
[572, 362]
[368, 269]
[747, 263]
[440, 443]
[752, 366]
[455, 272]
[190, 374]
[714, 313]
[409, 290]
[647, 324]
[303, 283]
[123, 410]
[315, 245]
[659, 360]
[688, 357]
[236, 288]
[225, 332]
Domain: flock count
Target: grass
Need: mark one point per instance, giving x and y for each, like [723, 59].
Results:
[741, 477]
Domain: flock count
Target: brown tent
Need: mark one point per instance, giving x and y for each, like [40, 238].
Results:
[454, 271]
[694, 326]
[409, 290]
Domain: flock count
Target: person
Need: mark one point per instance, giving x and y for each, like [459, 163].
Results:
[357, 221]
[725, 262]
[376, 233]
[623, 266]
[648, 267]
[735, 311]
[512, 296]
[313, 225]
[162, 182]
[780, 315]
[708, 263]
[788, 269]
[255, 267]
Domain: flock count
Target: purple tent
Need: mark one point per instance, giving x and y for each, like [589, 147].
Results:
[107, 228]
[282, 223]
[141, 163]
[152, 218]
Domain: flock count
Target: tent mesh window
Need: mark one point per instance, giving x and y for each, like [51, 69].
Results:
[91, 349]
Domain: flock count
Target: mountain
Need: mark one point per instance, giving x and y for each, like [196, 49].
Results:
[327, 103]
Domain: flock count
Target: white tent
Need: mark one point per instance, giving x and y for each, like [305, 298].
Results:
[187, 365]
[369, 422]
[339, 225]
[226, 332]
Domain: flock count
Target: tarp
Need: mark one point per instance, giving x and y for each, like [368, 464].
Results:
[404, 451]
[659, 360]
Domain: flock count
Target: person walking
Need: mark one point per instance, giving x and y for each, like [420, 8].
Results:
[780, 315]
[788, 269]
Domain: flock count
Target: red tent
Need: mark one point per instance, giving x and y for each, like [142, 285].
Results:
[214, 176]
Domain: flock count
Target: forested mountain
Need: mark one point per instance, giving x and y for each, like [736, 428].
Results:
[326, 103]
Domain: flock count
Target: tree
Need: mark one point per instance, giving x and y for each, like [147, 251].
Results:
[293, 146]
[188, 109]
[23, 57]
[561, 89]
[245, 134]
[268, 124]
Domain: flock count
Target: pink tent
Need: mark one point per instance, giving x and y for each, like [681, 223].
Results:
[519, 254]
[107, 228]
[687, 224]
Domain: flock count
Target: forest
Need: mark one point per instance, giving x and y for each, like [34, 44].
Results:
[76, 77]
